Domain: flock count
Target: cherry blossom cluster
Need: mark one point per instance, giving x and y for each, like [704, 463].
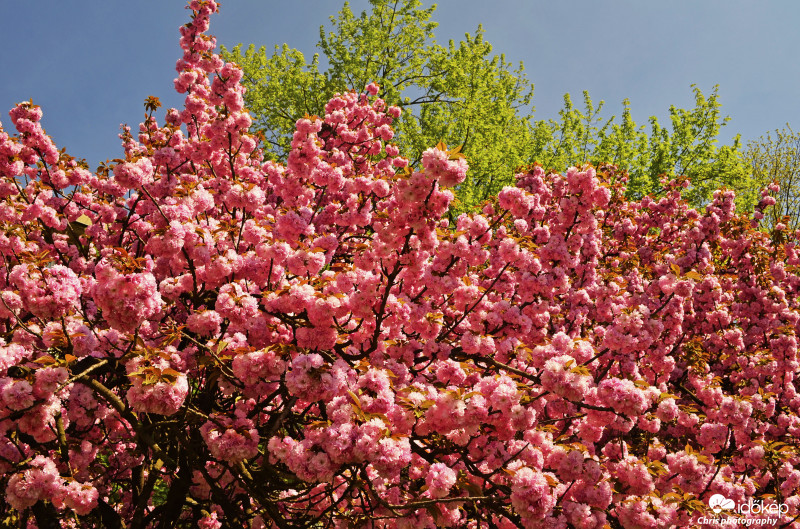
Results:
[192, 336]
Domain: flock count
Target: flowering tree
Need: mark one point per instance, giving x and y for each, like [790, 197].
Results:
[195, 337]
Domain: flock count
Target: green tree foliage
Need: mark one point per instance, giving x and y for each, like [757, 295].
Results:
[777, 159]
[688, 147]
[463, 95]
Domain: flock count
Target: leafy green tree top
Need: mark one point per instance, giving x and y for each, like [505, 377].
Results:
[777, 159]
[688, 147]
[463, 95]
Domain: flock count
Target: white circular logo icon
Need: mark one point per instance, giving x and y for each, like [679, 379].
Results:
[718, 502]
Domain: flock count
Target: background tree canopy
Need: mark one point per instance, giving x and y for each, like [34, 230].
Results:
[464, 95]
[776, 159]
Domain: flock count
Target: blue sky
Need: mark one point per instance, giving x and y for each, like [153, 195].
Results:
[90, 65]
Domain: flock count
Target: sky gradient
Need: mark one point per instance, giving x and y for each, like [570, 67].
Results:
[90, 65]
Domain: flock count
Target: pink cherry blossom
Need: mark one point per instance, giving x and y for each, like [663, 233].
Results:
[197, 336]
